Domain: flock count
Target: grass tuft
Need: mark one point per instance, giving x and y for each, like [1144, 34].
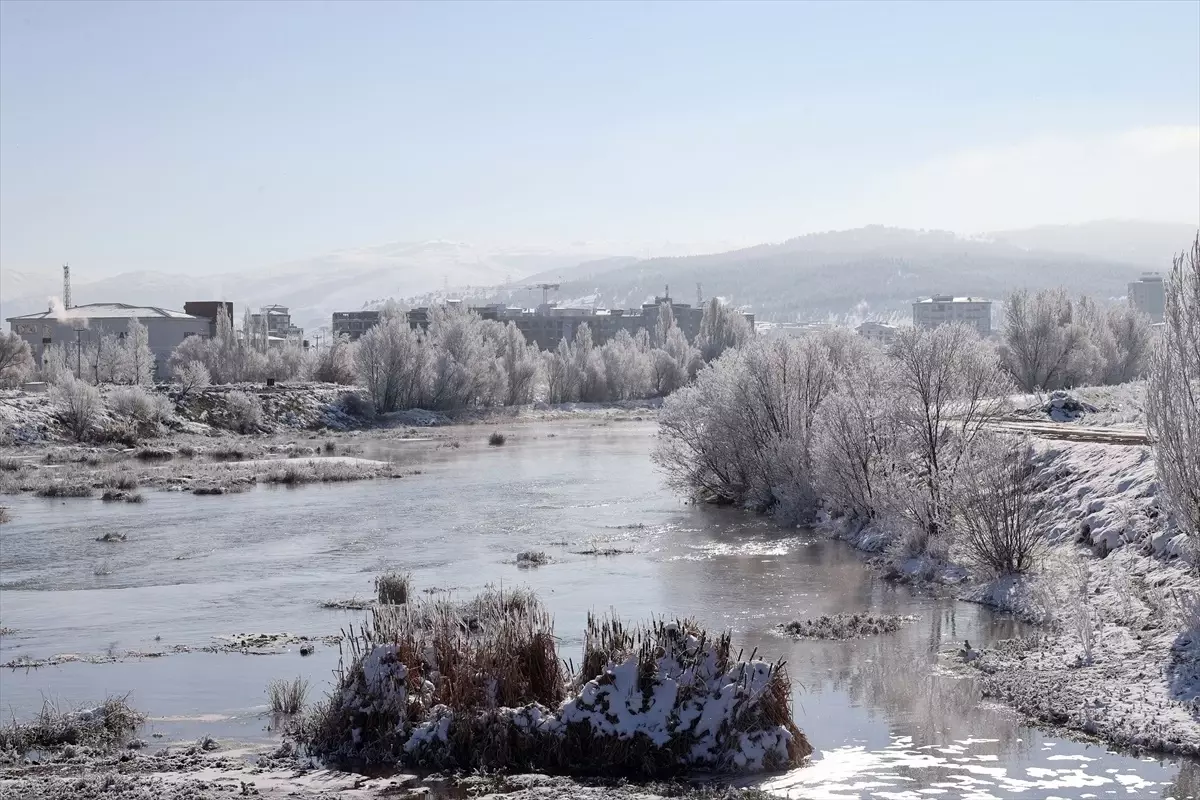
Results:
[845, 626]
[393, 588]
[497, 439]
[154, 454]
[532, 558]
[287, 697]
[64, 490]
[8, 464]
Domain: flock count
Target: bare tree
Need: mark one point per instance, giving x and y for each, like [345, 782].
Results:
[950, 385]
[1173, 392]
[16, 360]
[1043, 340]
[335, 364]
[1000, 513]
[521, 365]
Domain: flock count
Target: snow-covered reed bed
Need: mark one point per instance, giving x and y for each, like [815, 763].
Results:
[481, 685]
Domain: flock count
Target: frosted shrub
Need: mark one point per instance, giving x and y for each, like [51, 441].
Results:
[1001, 516]
[243, 412]
[190, 376]
[335, 364]
[77, 404]
[1173, 394]
[135, 403]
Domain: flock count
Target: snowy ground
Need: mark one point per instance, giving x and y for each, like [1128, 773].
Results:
[1117, 594]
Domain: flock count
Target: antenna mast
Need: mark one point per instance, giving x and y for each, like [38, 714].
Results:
[699, 296]
[66, 286]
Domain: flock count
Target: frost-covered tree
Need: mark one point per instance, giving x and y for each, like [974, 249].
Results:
[393, 366]
[562, 377]
[1173, 392]
[950, 385]
[16, 360]
[521, 365]
[721, 327]
[109, 360]
[463, 370]
[626, 367]
[1125, 345]
[858, 441]
[1044, 341]
[56, 366]
[138, 356]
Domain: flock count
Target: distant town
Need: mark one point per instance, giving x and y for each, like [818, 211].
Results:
[544, 326]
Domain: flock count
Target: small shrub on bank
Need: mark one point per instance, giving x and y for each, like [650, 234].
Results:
[145, 409]
[287, 697]
[356, 405]
[317, 472]
[845, 626]
[77, 405]
[105, 726]
[243, 412]
[393, 588]
[11, 464]
[124, 481]
[497, 439]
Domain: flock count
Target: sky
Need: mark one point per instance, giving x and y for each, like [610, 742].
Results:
[217, 137]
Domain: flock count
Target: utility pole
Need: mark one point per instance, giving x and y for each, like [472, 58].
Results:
[78, 351]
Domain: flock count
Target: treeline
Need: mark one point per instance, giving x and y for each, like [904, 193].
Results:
[465, 361]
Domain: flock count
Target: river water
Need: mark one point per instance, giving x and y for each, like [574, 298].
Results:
[885, 719]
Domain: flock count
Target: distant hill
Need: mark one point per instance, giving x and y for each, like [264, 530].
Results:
[871, 270]
[880, 270]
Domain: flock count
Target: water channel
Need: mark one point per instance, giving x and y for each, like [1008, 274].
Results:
[886, 719]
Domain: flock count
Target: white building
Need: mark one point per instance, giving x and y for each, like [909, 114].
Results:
[877, 332]
[1149, 296]
[80, 325]
[943, 308]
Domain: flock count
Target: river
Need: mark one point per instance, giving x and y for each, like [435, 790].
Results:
[886, 720]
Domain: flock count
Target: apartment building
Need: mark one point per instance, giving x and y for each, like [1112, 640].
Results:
[353, 324]
[943, 308]
[1148, 295]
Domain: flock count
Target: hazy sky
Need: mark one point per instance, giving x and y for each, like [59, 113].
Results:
[223, 136]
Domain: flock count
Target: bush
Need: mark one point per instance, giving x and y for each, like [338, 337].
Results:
[532, 558]
[77, 405]
[354, 404]
[497, 439]
[144, 408]
[243, 412]
[287, 697]
[191, 375]
[1000, 513]
[393, 588]
[16, 360]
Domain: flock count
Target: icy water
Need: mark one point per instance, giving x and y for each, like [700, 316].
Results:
[885, 720]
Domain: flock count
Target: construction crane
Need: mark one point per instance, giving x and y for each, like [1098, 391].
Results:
[545, 287]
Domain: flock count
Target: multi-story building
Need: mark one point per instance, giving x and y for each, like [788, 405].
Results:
[353, 324]
[78, 326]
[276, 322]
[877, 332]
[209, 309]
[547, 325]
[943, 308]
[1148, 295]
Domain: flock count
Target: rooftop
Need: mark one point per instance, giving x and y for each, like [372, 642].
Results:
[945, 298]
[106, 311]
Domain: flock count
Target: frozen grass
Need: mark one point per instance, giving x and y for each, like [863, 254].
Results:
[353, 604]
[64, 489]
[287, 697]
[532, 558]
[8, 464]
[187, 451]
[124, 481]
[105, 726]
[497, 439]
[602, 551]
[118, 496]
[5, 515]
[112, 537]
[231, 452]
[845, 626]
[420, 686]
[393, 588]
[317, 471]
